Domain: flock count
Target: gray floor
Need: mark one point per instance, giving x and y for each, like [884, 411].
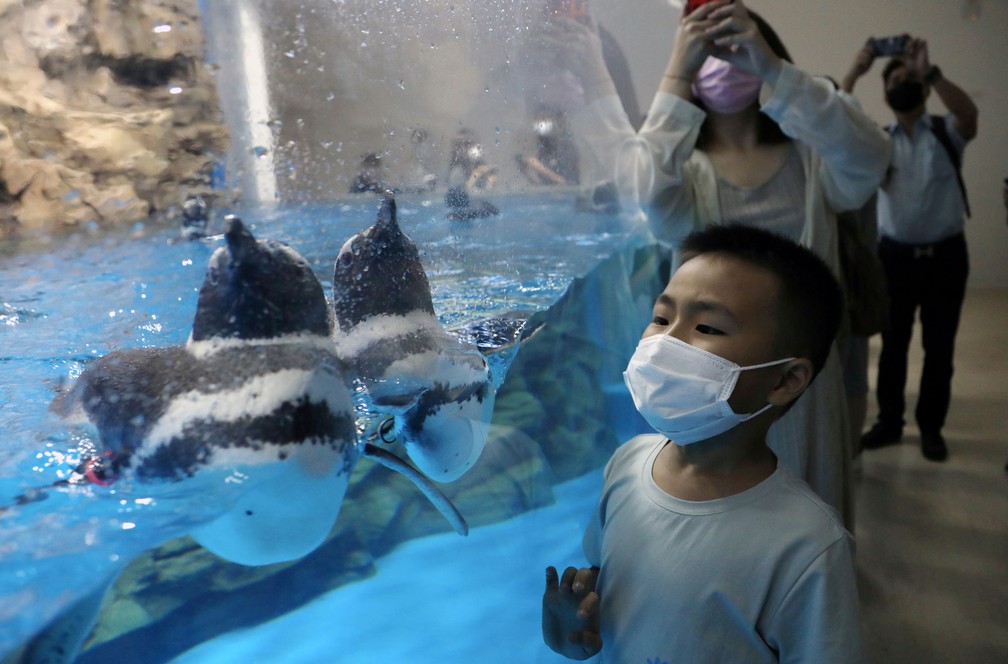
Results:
[933, 537]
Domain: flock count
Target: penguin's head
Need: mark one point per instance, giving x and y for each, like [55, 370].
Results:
[378, 271]
[258, 289]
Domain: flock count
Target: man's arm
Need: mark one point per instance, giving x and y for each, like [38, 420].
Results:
[862, 63]
[959, 104]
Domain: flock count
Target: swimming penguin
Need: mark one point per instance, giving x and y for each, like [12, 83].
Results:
[257, 394]
[437, 387]
[248, 432]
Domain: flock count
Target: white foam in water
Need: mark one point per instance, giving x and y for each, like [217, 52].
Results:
[442, 599]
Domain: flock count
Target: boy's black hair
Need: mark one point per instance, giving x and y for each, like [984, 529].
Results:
[810, 302]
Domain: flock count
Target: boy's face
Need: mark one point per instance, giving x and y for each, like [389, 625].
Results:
[727, 307]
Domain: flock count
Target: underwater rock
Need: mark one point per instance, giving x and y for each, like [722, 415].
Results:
[568, 409]
[107, 112]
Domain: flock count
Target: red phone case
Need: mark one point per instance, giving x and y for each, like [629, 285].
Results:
[692, 5]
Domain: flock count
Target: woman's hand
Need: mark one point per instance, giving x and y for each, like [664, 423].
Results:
[569, 58]
[737, 40]
[692, 44]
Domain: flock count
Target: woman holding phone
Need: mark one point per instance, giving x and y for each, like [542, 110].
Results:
[736, 132]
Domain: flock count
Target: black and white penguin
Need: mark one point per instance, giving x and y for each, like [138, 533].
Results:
[256, 394]
[250, 426]
[437, 387]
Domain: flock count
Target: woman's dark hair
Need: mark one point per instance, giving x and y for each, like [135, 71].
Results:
[767, 130]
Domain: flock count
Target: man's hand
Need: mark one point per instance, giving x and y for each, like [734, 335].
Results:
[570, 618]
[916, 57]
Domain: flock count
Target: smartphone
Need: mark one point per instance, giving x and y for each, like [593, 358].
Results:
[575, 9]
[692, 5]
[889, 46]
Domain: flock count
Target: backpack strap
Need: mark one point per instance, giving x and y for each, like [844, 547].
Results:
[941, 133]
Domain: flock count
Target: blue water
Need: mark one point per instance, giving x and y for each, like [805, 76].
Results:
[438, 599]
[435, 600]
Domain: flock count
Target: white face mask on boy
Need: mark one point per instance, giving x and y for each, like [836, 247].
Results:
[682, 391]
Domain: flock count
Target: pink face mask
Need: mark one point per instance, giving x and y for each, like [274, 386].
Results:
[725, 89]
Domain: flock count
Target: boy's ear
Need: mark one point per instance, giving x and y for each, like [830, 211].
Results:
[798, 373]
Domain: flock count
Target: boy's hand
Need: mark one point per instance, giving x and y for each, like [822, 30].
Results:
[570, 612]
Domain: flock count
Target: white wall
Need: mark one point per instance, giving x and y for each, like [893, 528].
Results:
[823, 35]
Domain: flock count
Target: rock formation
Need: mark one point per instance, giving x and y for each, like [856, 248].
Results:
[108, 112]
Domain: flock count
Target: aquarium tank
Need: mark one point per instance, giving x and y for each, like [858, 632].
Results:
[154, 155]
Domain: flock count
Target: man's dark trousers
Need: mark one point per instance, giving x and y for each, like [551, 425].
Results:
[931, 278]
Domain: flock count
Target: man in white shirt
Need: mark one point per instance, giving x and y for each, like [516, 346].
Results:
[922, 208]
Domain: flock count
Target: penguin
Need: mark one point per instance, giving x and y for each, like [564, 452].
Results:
[437, 387]
[257, 393]
[248, 431]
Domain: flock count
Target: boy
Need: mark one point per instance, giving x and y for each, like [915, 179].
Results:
[703, 549]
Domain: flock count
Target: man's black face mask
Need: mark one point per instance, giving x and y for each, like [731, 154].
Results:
[905, 96]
